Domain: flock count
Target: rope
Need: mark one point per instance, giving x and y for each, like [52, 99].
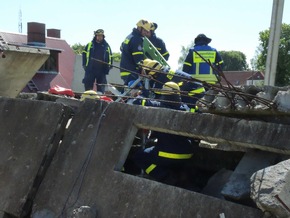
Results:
[83, 170]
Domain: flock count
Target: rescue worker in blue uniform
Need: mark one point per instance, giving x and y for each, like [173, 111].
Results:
[132, 51]
[191, 91]
[170, 151]
[197, 66]
[158, 42]
[97, 62]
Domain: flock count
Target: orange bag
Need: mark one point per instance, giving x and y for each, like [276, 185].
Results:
[57, 90]
[105, 98]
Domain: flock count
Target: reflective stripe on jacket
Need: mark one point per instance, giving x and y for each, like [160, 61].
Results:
[174, 155]
[196, 65]
[132, 53]
[88, 51]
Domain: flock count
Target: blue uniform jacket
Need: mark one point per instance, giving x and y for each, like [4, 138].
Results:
[159, 45]
[100, 51]
[132, 54]
[195, 65]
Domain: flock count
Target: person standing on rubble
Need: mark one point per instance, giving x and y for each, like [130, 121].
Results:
[170, 151]
[158, 42]
[133, 52]
[97, 62]
[191, 91]
[200, 58]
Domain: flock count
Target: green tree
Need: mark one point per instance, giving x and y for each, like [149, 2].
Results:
[184, 52]
[78, 48]
[116, 56]
[283, 63]
[234, 61]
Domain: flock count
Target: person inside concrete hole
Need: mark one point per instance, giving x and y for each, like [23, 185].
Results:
[169, 151]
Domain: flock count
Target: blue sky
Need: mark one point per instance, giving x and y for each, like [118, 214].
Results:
[232, 24]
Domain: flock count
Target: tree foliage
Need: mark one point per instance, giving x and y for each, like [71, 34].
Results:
[116, 56]
[78, 49]
[283, 63]
[233, 60]
[184, 52]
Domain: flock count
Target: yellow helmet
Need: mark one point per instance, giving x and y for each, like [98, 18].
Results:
[151, 66]
[145, 24]
[90, 94]
[170, 88]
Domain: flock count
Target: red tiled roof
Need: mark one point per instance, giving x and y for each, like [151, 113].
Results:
[257, 76]
[238, 78]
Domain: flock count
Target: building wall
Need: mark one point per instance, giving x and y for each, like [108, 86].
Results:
[79, 73]
[78, 86]
[255, 82]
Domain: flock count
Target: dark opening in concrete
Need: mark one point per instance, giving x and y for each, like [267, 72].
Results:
[206, 172]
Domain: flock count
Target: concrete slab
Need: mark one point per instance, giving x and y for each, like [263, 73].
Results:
[270, 189]
[239, 185]
[247, 133]
[30, 131]
[86, 171]
[18, 67]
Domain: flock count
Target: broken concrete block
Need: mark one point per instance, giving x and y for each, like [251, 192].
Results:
[270, 189]
[221, 102]
[269, 92]
[216, 183]
[282, 101]
[238, 187]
